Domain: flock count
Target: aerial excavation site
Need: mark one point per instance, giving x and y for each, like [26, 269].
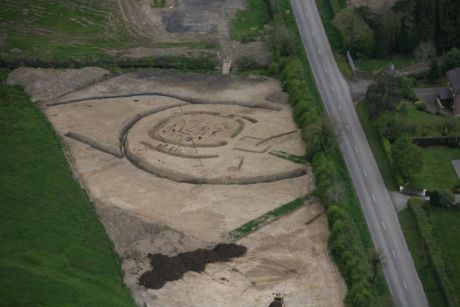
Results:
[243, 153]
[176, 163]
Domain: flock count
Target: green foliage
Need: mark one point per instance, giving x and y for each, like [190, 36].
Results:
[379, 145]
[267, 217]
[384, 96]
[302, 100]
[437, 172]
[407, 91]
[333, 184]
[435, 198]
[446, 230]
[54, 250]
[327, 15]
[352, 262]
[406, 157]
[289, 157]
[451, 59]
[281, 41]
[433, 250]
[447, 126]
[249, 25]
[425, 271]
[446, 198]
[158, 3]
[391, 126]
[337, 5]
[434, 73]
[319, 137]
[356, 34]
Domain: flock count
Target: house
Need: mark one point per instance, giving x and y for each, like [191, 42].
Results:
[453, 77]
[445, 99]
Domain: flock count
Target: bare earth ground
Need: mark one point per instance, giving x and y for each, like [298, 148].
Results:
[147, 145]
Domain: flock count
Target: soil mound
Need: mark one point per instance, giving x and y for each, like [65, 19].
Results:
[167, 268]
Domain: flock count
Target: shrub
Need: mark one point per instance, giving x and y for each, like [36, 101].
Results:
[435, 198]
[407, 91]
[446, 198]
[451, 59]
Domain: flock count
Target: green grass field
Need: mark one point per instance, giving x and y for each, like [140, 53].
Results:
[52, 29]
[249, 24]
[425, 272]
[437, 172]
[446, 229]
[378, 64]
[426, 119]
[54, 251]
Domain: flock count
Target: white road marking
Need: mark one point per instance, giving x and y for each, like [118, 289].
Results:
[383, 225]
[325, 69]
[394, 254]
[340, 107]
[364, 172]
[404, 283]
[373, 197]
[356, 149]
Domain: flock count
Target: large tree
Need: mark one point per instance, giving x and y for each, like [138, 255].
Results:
[383, 96]
[406, 157]
[356, 34]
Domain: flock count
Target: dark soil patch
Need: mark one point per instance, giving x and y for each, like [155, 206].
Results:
[167, 268]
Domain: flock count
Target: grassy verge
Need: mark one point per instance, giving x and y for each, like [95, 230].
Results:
[266, 218]
[249, 25]
[289, 157]
[54, 251]
[422, 263]
[375, 142]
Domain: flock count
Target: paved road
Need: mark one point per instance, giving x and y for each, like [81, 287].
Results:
[375, 200]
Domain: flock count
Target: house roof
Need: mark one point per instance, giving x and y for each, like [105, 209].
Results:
[453, 76]
[445, 94]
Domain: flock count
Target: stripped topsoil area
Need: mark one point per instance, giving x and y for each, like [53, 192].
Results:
[175, 162]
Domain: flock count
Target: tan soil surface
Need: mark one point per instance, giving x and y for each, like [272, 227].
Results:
[286, 256]
[143, 212]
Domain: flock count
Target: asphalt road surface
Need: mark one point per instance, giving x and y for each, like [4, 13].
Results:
[399, 268]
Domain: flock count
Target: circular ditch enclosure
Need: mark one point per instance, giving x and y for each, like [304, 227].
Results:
[212, 144]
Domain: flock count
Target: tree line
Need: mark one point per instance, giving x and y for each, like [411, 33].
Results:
[426, 27]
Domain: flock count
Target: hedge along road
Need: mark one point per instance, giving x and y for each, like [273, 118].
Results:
[381, 217]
